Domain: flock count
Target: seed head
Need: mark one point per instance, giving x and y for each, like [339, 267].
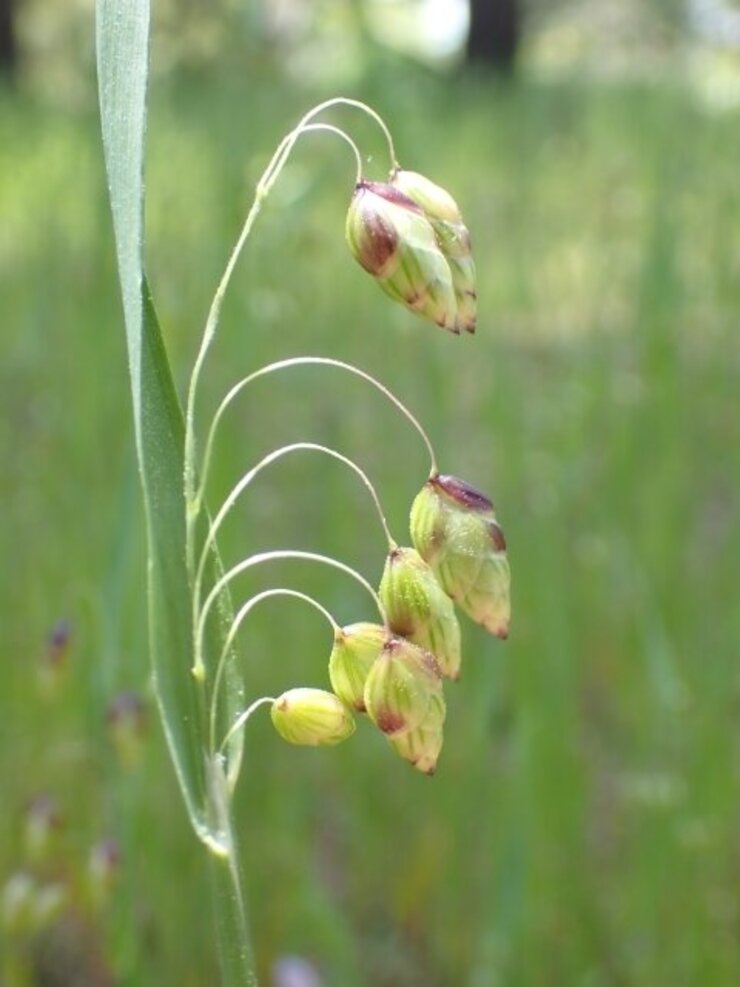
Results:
[419, 609]
[453, 239]
[390, 236]
[454, 528]
[312, 718]
[355, 650]
[401, 688]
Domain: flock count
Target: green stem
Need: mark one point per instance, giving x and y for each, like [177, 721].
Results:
[301, 361]
[330, 129]
[235, 953]
[242, 719]
[233, 630]
[241, 486]
[257, 559]
[285, 147]
[264, 186]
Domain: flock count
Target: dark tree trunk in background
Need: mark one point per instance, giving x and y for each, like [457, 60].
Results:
[8, 46]
[495, 31]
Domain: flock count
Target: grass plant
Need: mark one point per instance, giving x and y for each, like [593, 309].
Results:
[582, 830]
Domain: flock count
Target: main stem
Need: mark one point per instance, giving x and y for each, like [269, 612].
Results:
[235, 952]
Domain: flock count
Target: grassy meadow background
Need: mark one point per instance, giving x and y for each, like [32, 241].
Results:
[582, 829]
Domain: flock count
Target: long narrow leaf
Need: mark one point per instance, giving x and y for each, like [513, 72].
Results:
[122, 45]
[122, 28]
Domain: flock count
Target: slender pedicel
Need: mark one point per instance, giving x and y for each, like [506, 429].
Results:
[263, 190]
[242, 719]
[313, 128]
[198, 666]
[299, 361]
[233, 630]
[254, 472]
[264, 186]
[286, 145]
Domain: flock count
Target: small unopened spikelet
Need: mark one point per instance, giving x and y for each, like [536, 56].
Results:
[312, 718]
[454, 528]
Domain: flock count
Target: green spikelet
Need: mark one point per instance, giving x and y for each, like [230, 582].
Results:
[355, 650]
[418, 608]
[392, 239]
[453, 527]
[452, 236]
[312, 718]
[402, 687]
[421, 746]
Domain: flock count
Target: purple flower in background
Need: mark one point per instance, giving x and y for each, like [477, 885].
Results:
[294, 971]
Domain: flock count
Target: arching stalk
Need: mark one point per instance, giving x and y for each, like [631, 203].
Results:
[231, 636]
[301, 361]
[264, 186]
[258, 559]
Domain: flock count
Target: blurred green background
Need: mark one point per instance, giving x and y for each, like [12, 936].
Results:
[583, 826]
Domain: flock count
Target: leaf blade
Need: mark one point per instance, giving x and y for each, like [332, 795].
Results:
[122, 37]
[122, 32]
